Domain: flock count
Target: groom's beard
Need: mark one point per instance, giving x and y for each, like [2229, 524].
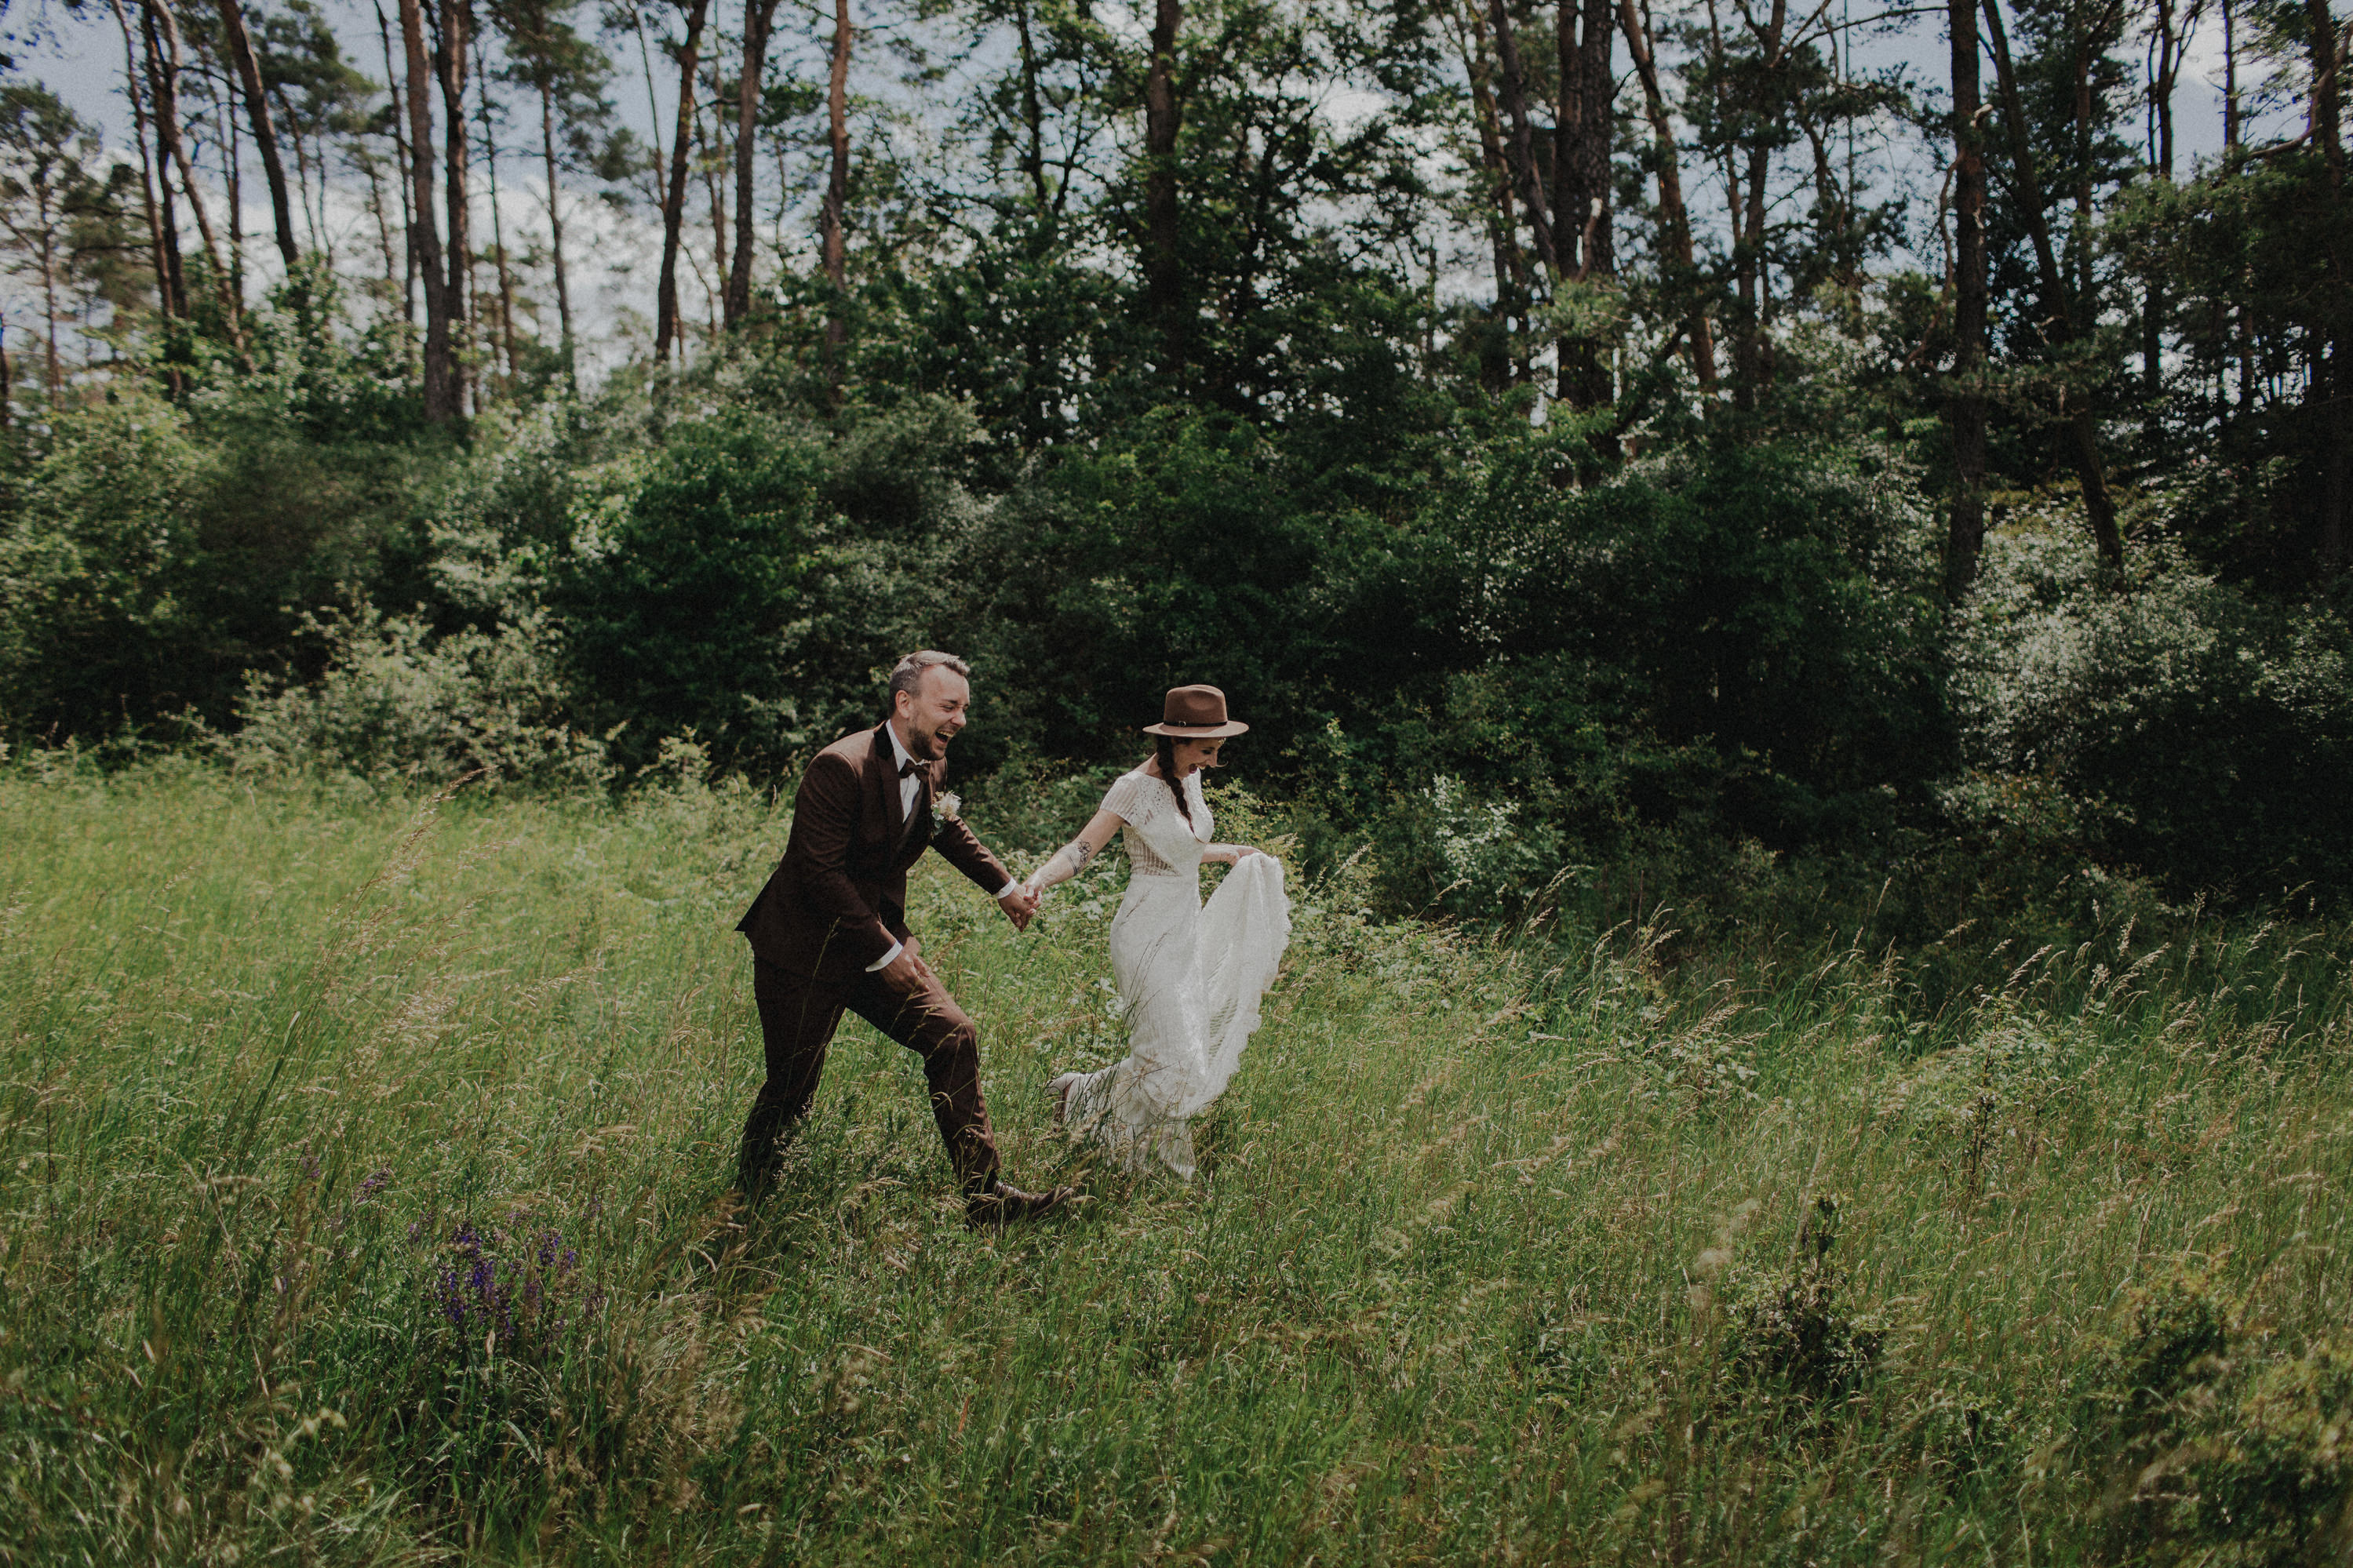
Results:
[929, 745]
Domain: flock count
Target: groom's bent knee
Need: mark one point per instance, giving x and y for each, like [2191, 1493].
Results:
[928, 1021]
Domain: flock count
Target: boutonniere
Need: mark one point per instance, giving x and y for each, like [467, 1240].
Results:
[946, 808]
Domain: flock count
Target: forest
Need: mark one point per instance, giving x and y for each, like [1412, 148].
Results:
[1589, 436]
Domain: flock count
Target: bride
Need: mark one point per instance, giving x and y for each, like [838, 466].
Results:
[1189, 974]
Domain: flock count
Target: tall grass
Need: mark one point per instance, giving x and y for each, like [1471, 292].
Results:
[364, 1167]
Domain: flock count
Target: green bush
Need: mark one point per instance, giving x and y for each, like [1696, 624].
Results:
[2218, 1447]
[750, 582]
[399, 705]
[2193, 730]
[1180, 549]
[155, 554]
[1716, 646]
[99, 622]
[1758, 612]
[1793, 1332]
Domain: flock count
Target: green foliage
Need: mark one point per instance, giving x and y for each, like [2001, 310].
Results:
[102, 558]
[157, 554]
[1727, 640]
[2223, 1446]
[1792, 1332]
[2245, 252]
[750, 580]
[689, 608]
[1179, 550]
[402, 708]
[2199, 732]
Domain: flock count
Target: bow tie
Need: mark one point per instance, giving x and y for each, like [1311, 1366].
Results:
[910, 768]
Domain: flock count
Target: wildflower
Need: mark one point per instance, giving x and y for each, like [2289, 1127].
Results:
[517, 1288]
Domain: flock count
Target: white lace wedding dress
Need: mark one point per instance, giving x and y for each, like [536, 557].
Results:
[1189, 977]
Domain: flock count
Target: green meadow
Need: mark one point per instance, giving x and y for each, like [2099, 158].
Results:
[364, 1168]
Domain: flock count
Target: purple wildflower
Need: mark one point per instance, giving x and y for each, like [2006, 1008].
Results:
[521, 1289]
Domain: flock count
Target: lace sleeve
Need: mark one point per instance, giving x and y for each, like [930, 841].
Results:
[1130, 797]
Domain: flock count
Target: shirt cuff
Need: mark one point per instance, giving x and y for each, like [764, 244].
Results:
[1010, 888]
[889, 958]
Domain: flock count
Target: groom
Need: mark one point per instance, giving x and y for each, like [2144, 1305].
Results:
[829, 931]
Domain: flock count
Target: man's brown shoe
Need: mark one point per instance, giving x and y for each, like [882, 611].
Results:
[1002, 1205]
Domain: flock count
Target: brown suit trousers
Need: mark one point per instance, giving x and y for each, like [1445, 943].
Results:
[797, 1018]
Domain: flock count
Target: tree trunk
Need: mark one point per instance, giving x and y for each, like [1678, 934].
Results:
[1515, 94]
[2171, 45]
[720, 158]
[1760, 271]
[2242, 327]
[2082, 433]
[666, 322]
[497, 219]
[1745, 369]
[234, 158]
[1743, 258]
[1674, 218]
[1583, 125]
[175, 274]
[257, 104]
[2230, 80]
[167, 125]
[1033, 115]
[653, 97]
[837, 183]
[424, 241]
[1497, 366]
[555, 232]
[374, 166]
[757, 15]
[405, 184]
[2336, 385]
[52, 379]
[1965, 409]
[457, 17]
[1163, 275]
[131, 86]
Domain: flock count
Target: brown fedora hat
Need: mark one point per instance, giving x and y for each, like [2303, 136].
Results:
[1194, 713]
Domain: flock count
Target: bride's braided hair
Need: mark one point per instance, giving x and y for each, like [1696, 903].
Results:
[1165, 748]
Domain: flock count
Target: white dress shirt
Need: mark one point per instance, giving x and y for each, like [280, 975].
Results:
[910, 790]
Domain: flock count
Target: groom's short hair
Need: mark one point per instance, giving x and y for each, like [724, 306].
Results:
[907, 675]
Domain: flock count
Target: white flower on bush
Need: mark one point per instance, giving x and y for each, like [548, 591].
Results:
[1482, 846]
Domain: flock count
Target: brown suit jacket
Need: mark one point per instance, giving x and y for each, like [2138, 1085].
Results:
[838, 900]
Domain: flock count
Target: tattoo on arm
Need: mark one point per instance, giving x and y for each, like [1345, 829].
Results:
[1068, 862]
